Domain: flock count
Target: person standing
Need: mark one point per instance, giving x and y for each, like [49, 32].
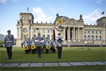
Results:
[59, 41]
[26, 43]
[33, 45]
[53, 46]
[8, 43]
[39, 43]
[47, 45]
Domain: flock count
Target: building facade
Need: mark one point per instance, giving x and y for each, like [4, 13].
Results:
[74, 32]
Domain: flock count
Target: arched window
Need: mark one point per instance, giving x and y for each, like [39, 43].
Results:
[48, 31]
[34, 35]
[92, 37]
[48, 37]
[88, 32]
[84, 37]
[99, 37]
[25, 30]
[96, 37]
[43, 36]
[88, 37]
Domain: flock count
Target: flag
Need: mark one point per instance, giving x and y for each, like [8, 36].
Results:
[60, 21]
[103, 13]
[54, 34]
[27, 9]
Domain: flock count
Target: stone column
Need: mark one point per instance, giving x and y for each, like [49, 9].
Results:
[31, 32]
[104, 36]
[74, 33]
[68, 33]
[17, 33]
[78, 34]
[21, 32]
[64, 33]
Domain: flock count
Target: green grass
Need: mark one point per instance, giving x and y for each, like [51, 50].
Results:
[68, 54]
[71, 68]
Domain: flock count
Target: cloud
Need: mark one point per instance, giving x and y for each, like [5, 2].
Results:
[92, 17]
[3, 1]
[99, 1]
[41, 16]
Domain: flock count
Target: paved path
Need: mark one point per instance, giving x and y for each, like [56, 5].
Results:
[51, 64]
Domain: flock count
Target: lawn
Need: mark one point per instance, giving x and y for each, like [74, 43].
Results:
[69, 54]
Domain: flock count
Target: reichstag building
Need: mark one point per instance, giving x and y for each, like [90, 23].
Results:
[74, 32]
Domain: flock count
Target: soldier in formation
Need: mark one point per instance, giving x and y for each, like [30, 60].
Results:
[26, 44]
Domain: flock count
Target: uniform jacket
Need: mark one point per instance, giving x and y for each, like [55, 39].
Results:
[46, 42]
[26, 43]
[39, 41]
[9, 40]
[59, 41]
[53, 43]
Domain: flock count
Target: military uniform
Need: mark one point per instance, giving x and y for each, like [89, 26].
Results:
[59, 45]
[27, 45]
[39, 43]
[53, 46]
[47, 46]
[9, 42]
[33, 46]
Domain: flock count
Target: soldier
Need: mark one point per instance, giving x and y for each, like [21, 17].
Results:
[53, 46]
[33, 45]
[59, 41]
[47, 45]
[39, 43]
[26, 44]
[8, 43]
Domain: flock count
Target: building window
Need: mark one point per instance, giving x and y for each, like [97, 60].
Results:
[25, 36]
[43, 30]
[38, 31]
[84, 32]
[96, 32]
[43, 36]
[99, 37]
[92, 37]
[34, 35]
[84, 37]
[34, 30]
[96, 37]
[100, 32]
[88, 32]
[88, 37]
[48, 30]
[48, 37]
[51, 30]
[25, 30]
[92, 32]
[52, 37]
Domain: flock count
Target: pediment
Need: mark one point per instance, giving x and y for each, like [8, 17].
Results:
[70, 21]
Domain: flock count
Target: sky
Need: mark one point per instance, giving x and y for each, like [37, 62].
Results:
[46, 10]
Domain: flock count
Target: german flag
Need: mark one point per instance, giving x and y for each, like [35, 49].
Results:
[27, 9]
[103, 13]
